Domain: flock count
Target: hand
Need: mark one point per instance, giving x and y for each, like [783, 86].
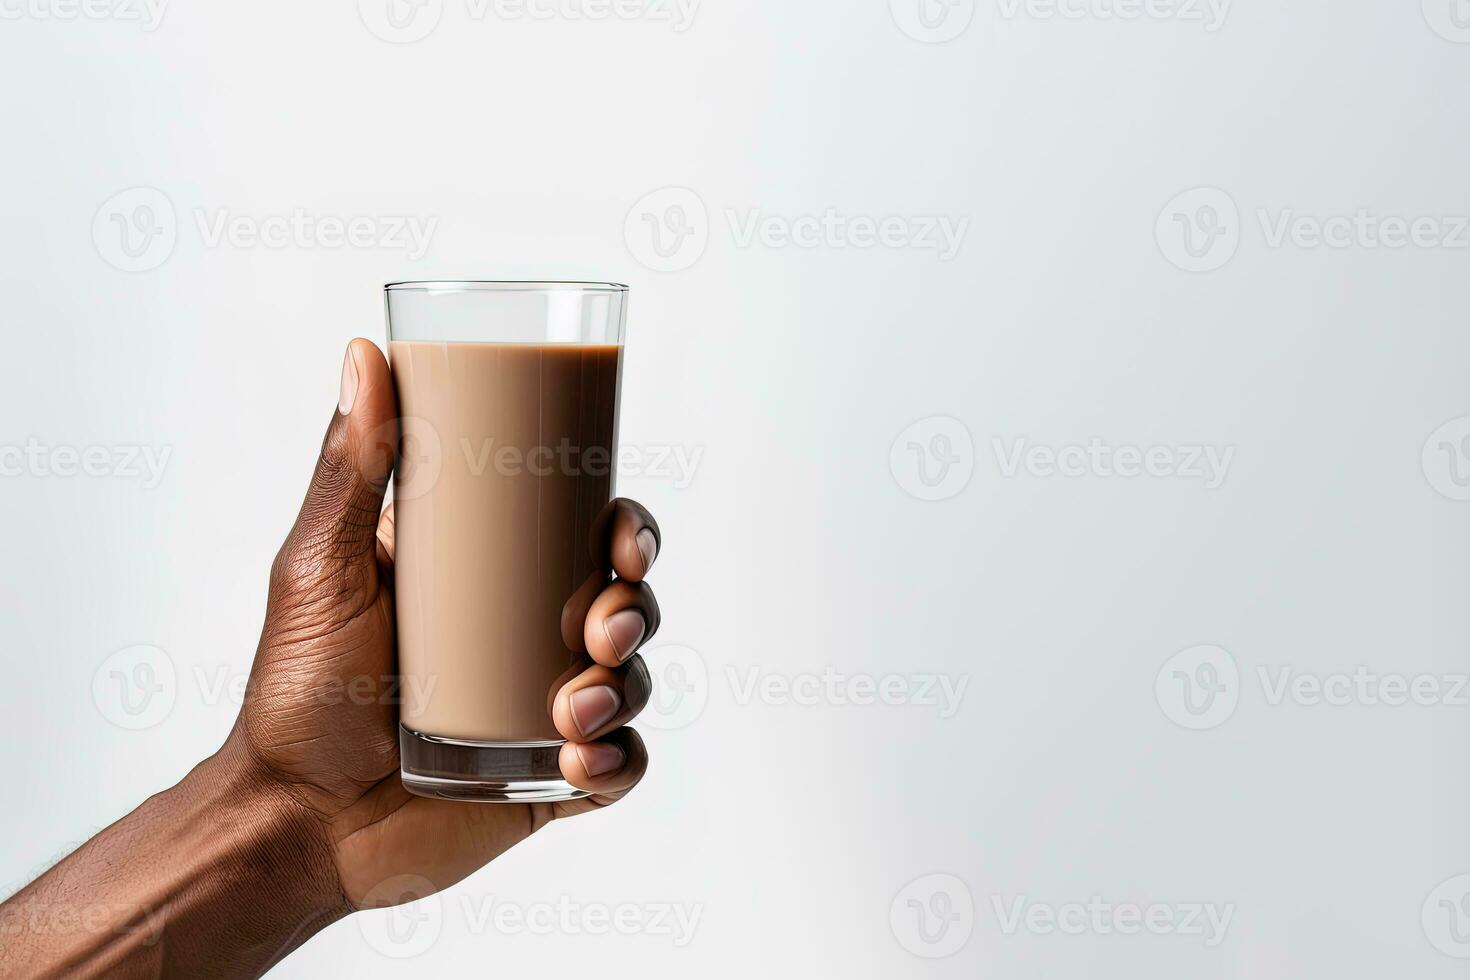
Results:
[300, 817]
[319, 723]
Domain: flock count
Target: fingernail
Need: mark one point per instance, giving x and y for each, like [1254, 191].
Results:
[647, 547]
[600, 757]
[349, 384]
[625, 631]
[593, 707]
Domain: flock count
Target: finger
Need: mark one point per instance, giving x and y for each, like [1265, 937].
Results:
[608, 768]
[338, 521]
[626, 538]
[387, 543]
[621, 619]
[387, 536]
[601, 699]
[574, 613]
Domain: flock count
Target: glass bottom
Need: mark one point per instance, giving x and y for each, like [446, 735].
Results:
[483, 772]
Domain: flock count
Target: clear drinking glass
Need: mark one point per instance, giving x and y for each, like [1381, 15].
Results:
[508, 393]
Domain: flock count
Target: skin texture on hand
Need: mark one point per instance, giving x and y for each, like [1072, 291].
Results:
[303, 809]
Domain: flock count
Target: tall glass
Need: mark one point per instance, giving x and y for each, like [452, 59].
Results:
[508, 393]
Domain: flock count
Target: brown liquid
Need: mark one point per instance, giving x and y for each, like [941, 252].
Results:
[490, 550]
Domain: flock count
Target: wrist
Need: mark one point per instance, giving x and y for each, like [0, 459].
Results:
[276, 836]
[220, 876]
[259, 852]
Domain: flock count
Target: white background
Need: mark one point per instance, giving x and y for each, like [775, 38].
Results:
[1334, 541]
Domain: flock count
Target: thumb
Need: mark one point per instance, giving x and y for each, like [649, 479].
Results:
[339, 519]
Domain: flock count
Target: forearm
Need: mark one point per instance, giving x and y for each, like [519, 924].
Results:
[219, 876]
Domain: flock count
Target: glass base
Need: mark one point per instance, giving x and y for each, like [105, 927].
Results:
[483, 772]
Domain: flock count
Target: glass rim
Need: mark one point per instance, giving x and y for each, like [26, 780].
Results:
[504, 285]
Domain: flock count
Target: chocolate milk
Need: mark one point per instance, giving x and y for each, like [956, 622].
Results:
[508, 457]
